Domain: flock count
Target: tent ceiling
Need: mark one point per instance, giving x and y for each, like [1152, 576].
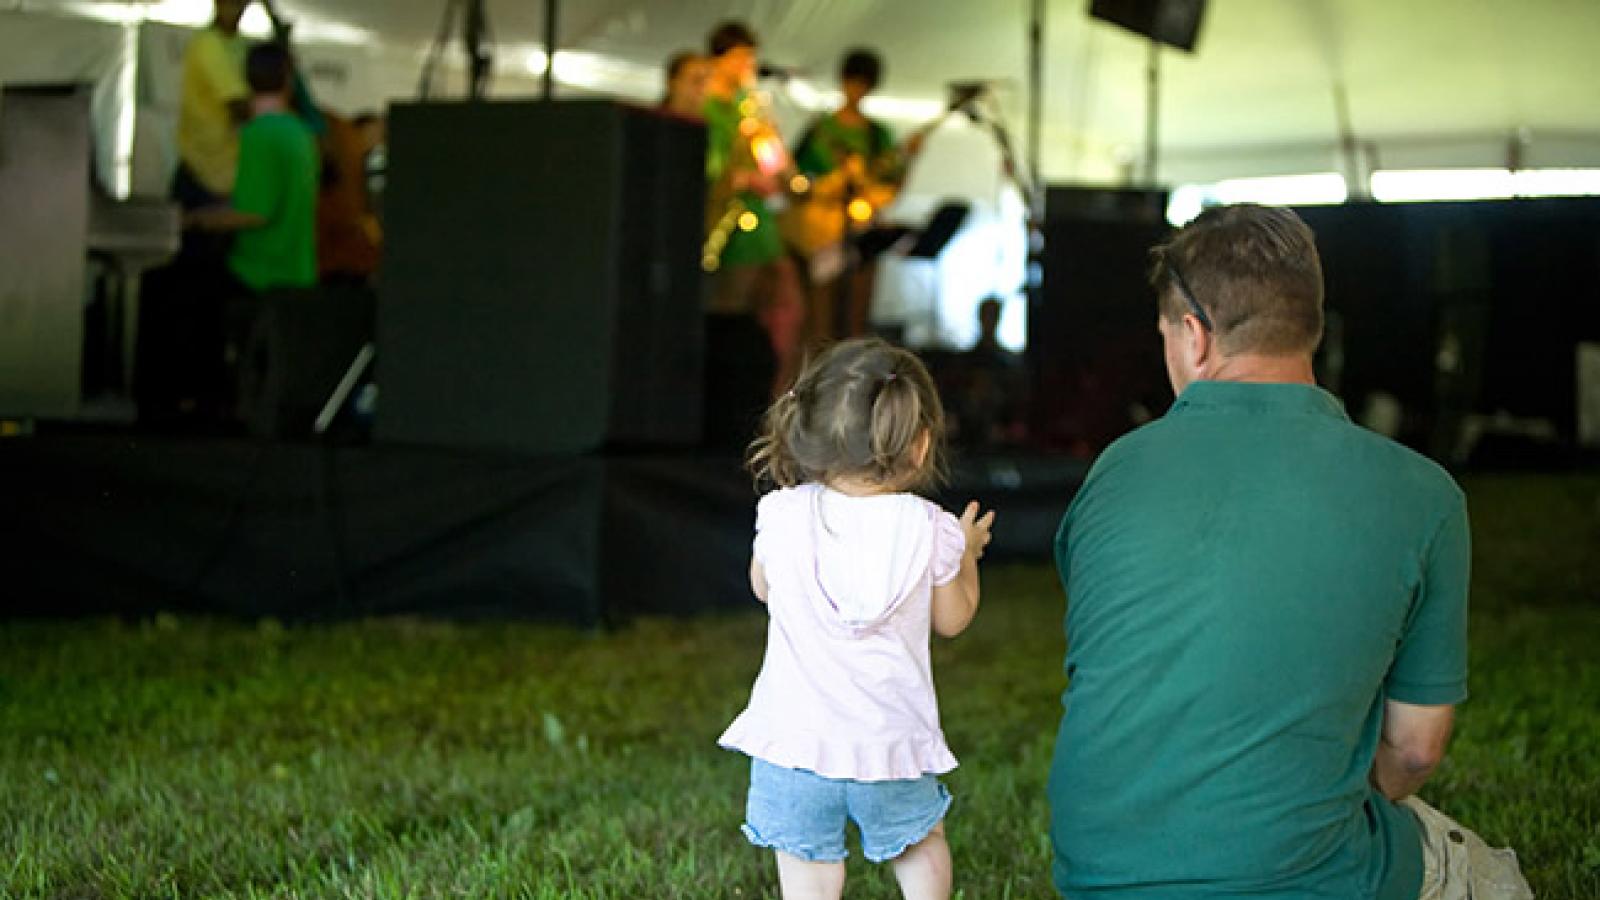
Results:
[1450, 79]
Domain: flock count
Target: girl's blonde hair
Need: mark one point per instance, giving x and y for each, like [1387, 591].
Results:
[858, 409]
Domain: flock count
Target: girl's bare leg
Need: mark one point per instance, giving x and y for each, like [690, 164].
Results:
[924, 870]
[802, 880]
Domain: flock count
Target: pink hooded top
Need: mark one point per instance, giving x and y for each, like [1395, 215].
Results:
[846, 689]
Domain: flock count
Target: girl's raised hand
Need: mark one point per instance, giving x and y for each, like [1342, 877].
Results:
[976, 529]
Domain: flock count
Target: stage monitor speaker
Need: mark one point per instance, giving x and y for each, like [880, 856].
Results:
[1174, 22]
[541, 289]
[1082, 203]
[1094, 352]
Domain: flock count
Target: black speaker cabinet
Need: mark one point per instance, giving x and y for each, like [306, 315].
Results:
[1173, 22]
[1095, 355]
[298, 346]
[541, 285]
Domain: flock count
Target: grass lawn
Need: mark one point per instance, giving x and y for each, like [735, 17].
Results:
[188, 758]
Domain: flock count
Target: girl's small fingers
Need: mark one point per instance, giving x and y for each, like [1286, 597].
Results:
[970, 513]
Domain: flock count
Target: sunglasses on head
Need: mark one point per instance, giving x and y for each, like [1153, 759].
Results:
[1188, 295]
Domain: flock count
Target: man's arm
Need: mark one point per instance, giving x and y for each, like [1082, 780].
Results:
[222, 218]
[1411, 747]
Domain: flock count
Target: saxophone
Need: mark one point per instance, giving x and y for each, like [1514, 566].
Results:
[757, 147]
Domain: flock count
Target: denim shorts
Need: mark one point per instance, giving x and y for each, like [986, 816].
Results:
[804, 814]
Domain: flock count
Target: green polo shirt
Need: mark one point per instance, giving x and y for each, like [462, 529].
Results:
[764, 243]
[1247, 579]
[278, 166]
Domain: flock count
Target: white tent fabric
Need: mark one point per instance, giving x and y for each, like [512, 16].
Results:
[1429, 83]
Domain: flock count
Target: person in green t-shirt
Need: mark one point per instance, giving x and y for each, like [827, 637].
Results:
[755, 310]
[1267, 617]
[274, 206]
[273, 212]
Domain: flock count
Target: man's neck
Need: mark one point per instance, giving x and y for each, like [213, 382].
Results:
[268, 103]
[1256, 368]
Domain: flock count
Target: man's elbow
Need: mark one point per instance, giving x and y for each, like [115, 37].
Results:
[1420, 766]
[1420, 762]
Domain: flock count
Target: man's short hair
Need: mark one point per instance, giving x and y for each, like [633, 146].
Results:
[677, 61]
[730, 35]
[862, 64]
[266, 68]
[1256, 273]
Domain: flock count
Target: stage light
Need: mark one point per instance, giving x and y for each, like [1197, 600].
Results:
[1420, 185]
[909, 109]
[1315, 189]
[768, 152]
[1414, 185]
[1557, 182]
[1187, 201]
[807, 96]
[256, 23]
[860, 210]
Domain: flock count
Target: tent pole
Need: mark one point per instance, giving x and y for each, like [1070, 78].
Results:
[1035, 105]
[1152, 112]
[550, 49]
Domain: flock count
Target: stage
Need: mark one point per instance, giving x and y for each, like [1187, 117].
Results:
[131, 524]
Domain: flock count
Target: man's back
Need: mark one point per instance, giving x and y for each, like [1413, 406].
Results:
[1247, 580]
[278, 169]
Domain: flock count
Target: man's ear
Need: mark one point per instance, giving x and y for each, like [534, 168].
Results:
[1200, 343]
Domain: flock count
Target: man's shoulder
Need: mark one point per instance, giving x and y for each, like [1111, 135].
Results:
[1367, 455]
[203, 40]
[277, 128]
[1150, 435]
[210, 41]
[1407, 466]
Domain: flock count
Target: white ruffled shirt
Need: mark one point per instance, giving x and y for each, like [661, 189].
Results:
[846, 688]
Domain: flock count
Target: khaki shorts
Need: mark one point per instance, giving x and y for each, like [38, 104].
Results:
[1458, 865]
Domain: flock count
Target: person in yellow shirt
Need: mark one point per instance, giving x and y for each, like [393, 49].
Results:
[215, 103]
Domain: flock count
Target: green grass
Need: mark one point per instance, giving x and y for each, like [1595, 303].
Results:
[415, 759]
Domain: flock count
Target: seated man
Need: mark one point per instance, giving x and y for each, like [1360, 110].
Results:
[1267, 617]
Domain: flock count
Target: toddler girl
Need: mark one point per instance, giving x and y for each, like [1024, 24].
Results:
[855, 570]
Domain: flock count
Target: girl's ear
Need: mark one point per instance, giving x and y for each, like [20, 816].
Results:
[920, 448]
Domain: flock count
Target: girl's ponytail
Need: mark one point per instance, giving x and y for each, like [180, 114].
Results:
[771, 455]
